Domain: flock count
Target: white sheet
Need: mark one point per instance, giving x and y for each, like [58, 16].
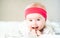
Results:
[12, 28]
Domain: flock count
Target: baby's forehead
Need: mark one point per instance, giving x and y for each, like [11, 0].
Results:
[34, 15]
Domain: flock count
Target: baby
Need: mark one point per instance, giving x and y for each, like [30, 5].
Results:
[36, 17]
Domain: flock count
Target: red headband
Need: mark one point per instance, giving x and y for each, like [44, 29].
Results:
[36, 10]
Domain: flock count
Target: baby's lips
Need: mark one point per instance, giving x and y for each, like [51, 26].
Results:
[34, 27]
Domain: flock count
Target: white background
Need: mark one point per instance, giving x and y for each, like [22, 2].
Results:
[13, 10]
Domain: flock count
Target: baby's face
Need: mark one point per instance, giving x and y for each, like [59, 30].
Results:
[35, 21]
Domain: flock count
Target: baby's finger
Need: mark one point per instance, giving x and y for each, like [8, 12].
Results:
[38, 33]
[34, 32]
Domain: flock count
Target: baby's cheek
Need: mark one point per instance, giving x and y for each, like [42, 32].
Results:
[29, 26]
[41, 25]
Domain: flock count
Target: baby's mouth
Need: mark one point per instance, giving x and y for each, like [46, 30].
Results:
[36, 28]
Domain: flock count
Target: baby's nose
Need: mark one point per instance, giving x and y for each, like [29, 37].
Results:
[34, 26]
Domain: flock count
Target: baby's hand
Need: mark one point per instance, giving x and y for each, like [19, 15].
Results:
[33, 32]
[36, 32]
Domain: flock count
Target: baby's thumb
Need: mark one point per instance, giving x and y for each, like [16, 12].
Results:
[38, 33]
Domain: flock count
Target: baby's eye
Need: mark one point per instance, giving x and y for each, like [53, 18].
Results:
[38, 19]
[30, 20]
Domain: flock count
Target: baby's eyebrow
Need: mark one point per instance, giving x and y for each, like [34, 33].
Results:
[33, 18]
[30, 18]
[39, 17]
